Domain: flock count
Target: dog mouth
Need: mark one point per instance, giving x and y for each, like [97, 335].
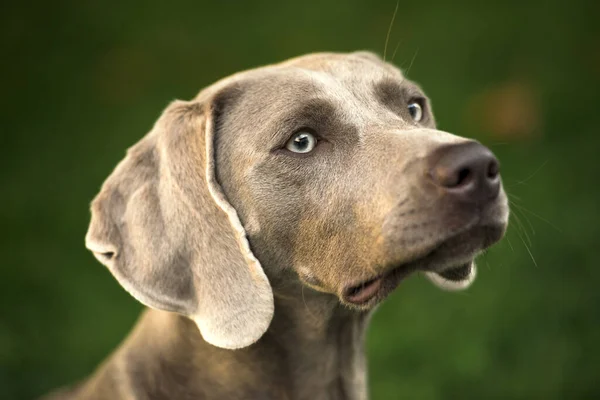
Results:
[379, 287]
[364, 291]
[451, 261]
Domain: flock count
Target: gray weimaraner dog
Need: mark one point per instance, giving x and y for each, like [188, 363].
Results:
[261, 222]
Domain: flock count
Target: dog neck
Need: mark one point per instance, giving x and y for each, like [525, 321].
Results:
[323, 345]
[313, 350]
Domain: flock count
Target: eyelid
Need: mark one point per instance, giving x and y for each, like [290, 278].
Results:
[304, 129]
[422, 101]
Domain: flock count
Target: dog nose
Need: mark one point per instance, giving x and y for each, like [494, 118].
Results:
[468, 171]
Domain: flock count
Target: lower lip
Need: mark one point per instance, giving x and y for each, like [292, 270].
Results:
[364, 292]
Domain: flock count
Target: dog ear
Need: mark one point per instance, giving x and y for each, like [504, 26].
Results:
[163, 227]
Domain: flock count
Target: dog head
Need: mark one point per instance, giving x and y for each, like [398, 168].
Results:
[326, 169]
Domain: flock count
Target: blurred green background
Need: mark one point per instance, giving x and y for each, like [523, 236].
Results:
[83, 80]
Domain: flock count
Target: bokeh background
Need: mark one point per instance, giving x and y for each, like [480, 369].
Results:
[83, 80]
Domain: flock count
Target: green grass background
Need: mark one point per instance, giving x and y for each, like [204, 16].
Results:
[83, 80]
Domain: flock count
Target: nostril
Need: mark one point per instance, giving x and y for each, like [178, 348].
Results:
[451, 177]
[463, 176]
[493, 170]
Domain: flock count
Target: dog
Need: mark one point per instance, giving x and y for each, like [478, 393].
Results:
[262, 221]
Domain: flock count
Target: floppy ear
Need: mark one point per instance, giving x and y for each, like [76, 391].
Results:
[163, 227]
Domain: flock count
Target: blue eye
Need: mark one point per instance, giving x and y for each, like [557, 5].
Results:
[302, 142]
[416, 111]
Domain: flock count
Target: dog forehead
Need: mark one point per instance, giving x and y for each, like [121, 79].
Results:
[354, 74]
[357, 64]
[346, 81]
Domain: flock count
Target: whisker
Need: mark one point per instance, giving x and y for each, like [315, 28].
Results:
[528, 249]
[522, 227]
[531, 255]
[523, 209]
[510, 244]
[522, 182]
[395, 50]
[412, 61]
[514, 196]
[387, 38]
[525, 218]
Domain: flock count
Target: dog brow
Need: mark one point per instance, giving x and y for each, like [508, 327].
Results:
[389, 92]
[317, 113]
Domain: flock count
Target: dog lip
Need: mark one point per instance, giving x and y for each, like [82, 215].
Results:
[364, 291]
[379, 286]
[457, 273]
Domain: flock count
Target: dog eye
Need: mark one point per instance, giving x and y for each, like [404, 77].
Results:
[302, 142]
[416, 111]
